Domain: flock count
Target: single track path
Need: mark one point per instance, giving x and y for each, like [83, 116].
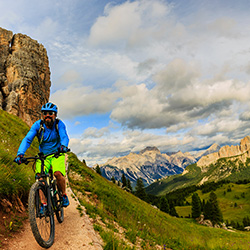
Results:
[75, 233]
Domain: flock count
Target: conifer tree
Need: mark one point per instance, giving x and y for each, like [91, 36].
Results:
[203, 205]
[113, 179]
[212, 210]
[164, 205]
[246, 221]
[207, 210]
[98, 170]
[172, 210]
[124, 181]
[129, 185]
[196, 206]
[140, 190]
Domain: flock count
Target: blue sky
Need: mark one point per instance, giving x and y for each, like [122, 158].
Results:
[131, 74]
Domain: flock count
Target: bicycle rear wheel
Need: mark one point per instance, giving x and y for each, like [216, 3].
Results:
[58, 203]
[42, 225]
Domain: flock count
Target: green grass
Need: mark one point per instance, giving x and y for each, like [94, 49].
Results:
[173, 182]
[14, 179]
[184, 211]
[125, 222]
[229, 168]
[234, 204]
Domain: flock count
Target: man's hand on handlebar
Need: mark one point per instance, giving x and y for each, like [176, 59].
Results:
[19, 159]
[63, 149]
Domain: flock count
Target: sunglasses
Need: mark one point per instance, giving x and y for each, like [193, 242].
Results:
[50, 113]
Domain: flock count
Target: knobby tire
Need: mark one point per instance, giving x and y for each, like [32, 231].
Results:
[43, 227]
[58, 203]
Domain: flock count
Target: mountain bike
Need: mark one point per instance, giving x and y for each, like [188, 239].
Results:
[42, 223]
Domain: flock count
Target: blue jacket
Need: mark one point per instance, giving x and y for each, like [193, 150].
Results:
[51, 141]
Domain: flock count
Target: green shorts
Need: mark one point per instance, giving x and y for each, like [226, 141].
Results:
[57, 164]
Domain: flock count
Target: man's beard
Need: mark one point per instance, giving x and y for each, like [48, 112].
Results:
[49, 122]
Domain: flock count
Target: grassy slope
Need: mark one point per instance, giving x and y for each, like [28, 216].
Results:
[123, 219]
[225, 168]
[14, 180]
[173, 182]
[239, 195]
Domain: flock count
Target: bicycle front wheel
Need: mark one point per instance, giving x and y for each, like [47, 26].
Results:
[58, 203]
[42, 223]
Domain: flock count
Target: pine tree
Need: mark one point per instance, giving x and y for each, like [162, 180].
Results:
[207, 210]
[164, 205]
[203, 205]
[196, 206]
[212, 210]
[246, 221]
[129, 185]
[98, 170]
[172, 210]
[140, 190]
[113, 179]
[124, 181]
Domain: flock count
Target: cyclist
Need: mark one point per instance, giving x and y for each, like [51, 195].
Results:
[52, 136]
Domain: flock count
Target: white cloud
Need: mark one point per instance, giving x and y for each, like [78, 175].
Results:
[176, 75]
[224, 26]
[95, 133]
[76, 101]
[176, 72]
[130, 24]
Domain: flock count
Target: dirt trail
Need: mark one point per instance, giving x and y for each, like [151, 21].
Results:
[75, 233]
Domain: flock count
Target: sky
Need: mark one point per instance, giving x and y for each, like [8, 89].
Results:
[130, 74]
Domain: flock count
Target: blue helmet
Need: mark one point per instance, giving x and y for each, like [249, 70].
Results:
[49, 107]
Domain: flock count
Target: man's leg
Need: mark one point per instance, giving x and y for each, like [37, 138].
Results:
[41, 194]
[61, 182]
[58, 166]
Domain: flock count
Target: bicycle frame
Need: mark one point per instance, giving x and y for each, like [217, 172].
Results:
[45, 178]
[44, 188]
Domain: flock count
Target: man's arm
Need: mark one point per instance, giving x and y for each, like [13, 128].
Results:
[63, 134]
[27, 140]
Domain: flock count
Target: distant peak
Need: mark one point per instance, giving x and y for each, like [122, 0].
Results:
[215, 146]
[150, 149]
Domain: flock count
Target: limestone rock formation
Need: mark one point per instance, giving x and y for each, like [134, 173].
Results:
[24, 76]
[241, 151]
[150, 164]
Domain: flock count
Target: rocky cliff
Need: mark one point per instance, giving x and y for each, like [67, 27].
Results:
[241, 151]
[24, 76]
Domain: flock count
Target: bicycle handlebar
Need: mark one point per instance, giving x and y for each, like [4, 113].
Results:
[41, 156]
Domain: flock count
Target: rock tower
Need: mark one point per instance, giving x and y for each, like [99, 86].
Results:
[24, 76]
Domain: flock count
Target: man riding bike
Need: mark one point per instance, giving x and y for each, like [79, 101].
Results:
[53, 137]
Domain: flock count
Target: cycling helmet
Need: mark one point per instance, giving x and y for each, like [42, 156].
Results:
[49, 107]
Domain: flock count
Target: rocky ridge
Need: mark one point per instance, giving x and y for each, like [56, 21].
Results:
[150, 164]
[242, 152]
[212, 149]
[24, 76]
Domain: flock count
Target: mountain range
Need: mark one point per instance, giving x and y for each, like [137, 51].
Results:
[230, 163]
[150, 164]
